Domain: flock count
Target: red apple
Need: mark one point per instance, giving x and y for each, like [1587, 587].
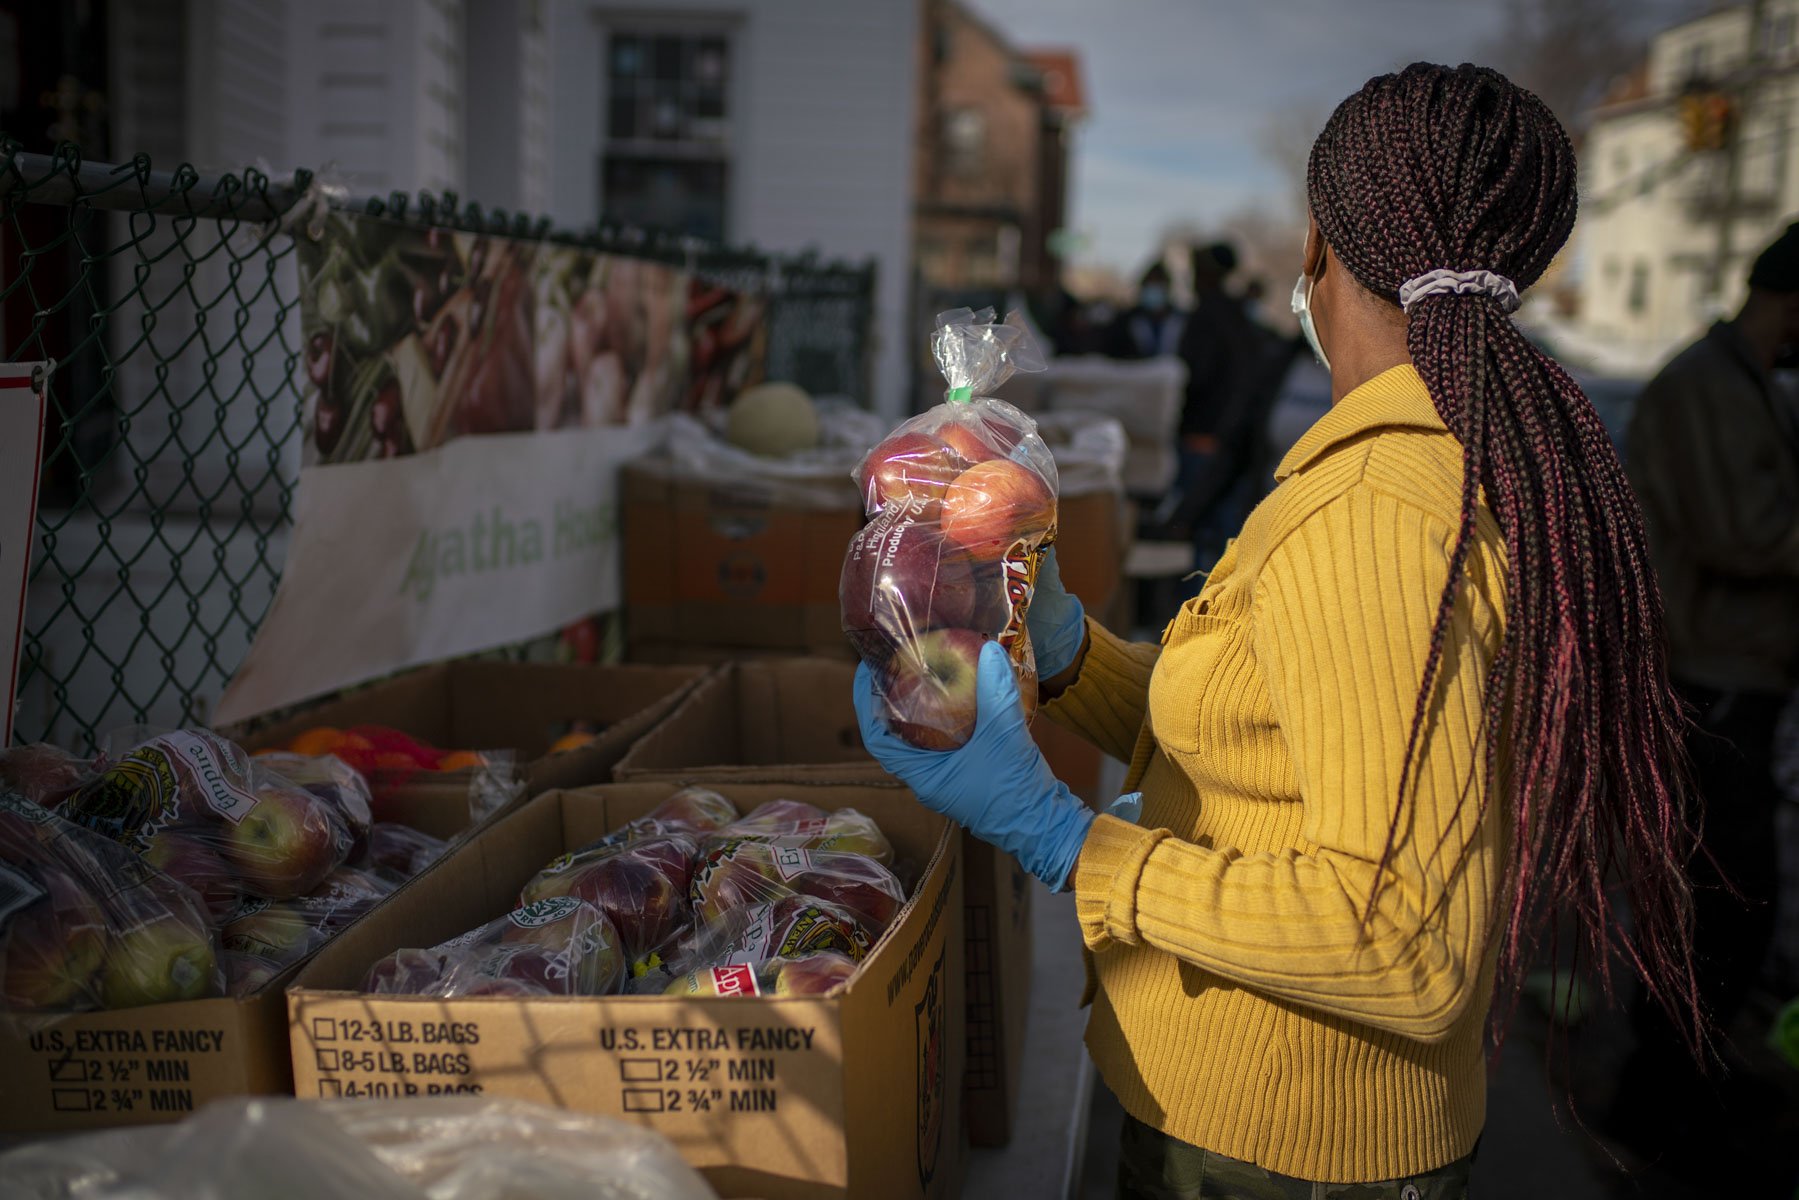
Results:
[52, 948]
[158, 962]
[782, 816]
[993, 505]
[855, 882]
[287, 843]
[734, 874]
[180, 853]
[333, 781]
[907, 466]
[645, 904]
[931, 691]
[279, 931]
[813, 975]
[579, 943]
[973, 442]
[346, 894]
[695, 808]
[898, 581]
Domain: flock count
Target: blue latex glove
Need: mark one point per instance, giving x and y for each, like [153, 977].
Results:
[997, 785]
[1057, 622]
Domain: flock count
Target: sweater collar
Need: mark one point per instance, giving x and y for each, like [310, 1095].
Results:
[1396, 398]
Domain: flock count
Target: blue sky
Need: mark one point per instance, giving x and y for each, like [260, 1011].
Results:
[1180, 91]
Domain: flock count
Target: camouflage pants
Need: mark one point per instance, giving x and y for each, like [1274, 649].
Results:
[1154, 1166]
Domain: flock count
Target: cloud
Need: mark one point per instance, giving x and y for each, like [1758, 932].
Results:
[1180, 90]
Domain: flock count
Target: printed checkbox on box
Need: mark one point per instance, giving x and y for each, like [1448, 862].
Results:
[327, 1058]
[331, 1089]
[324, 1029]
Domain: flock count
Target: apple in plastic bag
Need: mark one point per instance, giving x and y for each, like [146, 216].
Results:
[42, 773]
[796, 823]
[855, 882]
[287, 843]
[163, 960]
[695, 808]
[780, 816]
[993, 505]
[246, 974]
[973, 443]
[931, 689]
[735, 873]
[908, 467]
[902, 578]
[578, 940]
[645, 903]
[346, 895]
[277, 930]
[400, 850]
[51, 949]
[404, 973]
[184, 854]
[813, 974]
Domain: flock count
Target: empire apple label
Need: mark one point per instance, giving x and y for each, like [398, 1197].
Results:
[214, 779]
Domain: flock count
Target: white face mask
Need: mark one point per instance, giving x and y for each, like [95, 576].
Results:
[1302, 308]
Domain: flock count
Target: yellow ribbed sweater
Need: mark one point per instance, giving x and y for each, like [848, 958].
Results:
[1242, 1002]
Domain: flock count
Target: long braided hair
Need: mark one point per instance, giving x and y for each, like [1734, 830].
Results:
[1461, 169]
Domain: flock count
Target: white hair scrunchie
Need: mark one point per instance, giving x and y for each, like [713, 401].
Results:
[1459, 283]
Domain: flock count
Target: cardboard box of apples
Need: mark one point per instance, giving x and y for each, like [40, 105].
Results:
[151, 902]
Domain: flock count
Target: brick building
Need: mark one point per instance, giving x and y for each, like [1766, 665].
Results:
[993, 139]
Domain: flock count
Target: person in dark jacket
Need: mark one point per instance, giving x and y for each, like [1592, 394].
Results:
[1714, 457]
[1152, 327]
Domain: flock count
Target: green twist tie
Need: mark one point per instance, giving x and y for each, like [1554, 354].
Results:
[960, 395]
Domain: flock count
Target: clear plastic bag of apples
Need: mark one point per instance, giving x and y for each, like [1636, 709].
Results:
[961, 502]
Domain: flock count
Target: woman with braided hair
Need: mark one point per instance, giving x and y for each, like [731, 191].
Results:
[1418, 717]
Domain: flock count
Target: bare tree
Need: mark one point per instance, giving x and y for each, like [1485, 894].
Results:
[1569, 51]
[1285, 139]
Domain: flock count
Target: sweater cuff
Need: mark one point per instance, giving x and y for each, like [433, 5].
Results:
[1105, 880]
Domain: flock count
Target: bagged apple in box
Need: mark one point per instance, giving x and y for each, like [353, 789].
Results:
[962, 504]
[560, 946]
[641, 887]
[198, 807]
[85, 923]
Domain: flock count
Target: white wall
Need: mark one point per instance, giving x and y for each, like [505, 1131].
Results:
[822, 105]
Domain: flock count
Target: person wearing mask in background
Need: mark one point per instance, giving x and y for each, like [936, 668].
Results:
[1714, 456]
[1417, 717]
[1152, 327]
[1234, 370]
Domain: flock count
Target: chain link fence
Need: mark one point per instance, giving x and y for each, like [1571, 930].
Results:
[169, 305]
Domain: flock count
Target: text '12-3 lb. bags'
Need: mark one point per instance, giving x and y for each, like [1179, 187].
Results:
[962, 505]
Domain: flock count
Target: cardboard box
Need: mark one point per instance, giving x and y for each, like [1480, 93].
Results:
[158, 1063]
[751, 565]
[791, 722]
[775, 1098]
[478, 704]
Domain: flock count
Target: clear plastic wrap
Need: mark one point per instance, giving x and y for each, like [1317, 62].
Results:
[198, 807]
[560, 946]
[42, 773]
[400, 851]
[797, 825]
[692, 811]
[443, 1148]
[264, 937]
[641, 886]
[793, 926]
[817, 974]
[735, 873]
[85, 923]
[961, 503]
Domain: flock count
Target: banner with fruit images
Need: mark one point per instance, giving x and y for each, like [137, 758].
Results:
[509, 380]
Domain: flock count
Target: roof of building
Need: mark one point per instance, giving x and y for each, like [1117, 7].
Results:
[1062, 85]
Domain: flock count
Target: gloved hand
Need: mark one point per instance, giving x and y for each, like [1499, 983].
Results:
[997, 785]
[1057, 622]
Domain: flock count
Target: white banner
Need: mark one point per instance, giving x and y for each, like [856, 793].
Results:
[21, 453]
[483, 542]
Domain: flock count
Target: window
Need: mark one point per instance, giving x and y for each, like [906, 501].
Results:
[667, 120]
[1638, 300]
[964, 141]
